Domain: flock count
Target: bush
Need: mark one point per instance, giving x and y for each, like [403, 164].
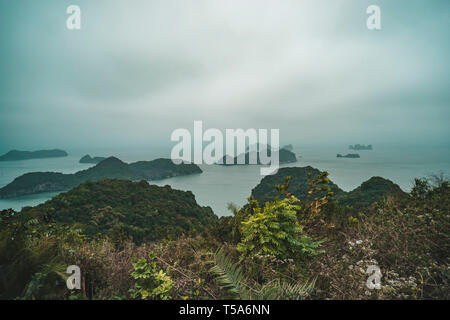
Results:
[276, 231]
[150, 283]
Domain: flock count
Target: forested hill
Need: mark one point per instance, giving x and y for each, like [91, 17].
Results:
[124, 209]
[265, 190]
[373, 190]
[110, 168]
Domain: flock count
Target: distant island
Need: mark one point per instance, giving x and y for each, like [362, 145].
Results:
[350, 155]
[110, 168]
[15, 155]
[285, 156]
[360, 147]
[88, 159]
[288, 147]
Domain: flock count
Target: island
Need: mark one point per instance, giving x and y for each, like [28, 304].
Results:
[88, 159]
[285, 156]
[360, 147]
[288, 147]
[350, 155]
[110, 168]
[16, 155]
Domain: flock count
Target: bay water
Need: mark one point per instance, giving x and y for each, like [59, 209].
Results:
[219, 185]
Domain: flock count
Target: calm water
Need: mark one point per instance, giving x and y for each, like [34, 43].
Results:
[219, 185]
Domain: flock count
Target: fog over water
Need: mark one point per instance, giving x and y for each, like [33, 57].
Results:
[137, 71]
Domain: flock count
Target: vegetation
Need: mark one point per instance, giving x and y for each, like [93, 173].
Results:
[298, 185]
[371, 191]
[124, 210]
[110, 168]
[275, 231]
[137, 241]
[150, 283]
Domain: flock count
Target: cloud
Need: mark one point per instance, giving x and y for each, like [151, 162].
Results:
[135, 72]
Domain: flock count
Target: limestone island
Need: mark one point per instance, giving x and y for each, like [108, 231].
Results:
[285, 156]
[360, 147]
[288, 147]
[350, 155]
[88, 159]
[16, 155]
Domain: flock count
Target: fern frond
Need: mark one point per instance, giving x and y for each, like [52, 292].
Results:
[229, 275]
[282, 290]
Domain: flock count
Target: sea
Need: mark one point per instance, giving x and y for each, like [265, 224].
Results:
[218, 185]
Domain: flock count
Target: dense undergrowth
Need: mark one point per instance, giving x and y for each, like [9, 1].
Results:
[287, 248]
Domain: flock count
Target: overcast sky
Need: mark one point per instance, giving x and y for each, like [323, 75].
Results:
[137, 70]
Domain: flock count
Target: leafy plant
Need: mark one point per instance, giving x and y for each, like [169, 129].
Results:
[276, 231]
[231, 279]
[229, 275]
[282, 290]
[149, 282]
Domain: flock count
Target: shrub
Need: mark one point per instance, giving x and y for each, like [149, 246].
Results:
[276, 231]
[150, 283]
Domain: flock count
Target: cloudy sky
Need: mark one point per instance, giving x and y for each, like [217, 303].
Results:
[137, 70]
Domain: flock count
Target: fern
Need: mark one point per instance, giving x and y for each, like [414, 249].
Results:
[282, 290]
[229, 275]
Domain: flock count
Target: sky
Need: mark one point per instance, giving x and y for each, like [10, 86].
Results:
[137, 70]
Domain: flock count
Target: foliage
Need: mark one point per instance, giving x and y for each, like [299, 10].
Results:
[276, 231]
[110, 168]
[299, 184]
[373, 190]
[32, 254]
[376, 189]
[232, 280]
[410, 243]
[229, 275]
[150, 283]
[124, 209]
[109, 227]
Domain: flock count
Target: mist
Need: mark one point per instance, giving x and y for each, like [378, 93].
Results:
[136, 71]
